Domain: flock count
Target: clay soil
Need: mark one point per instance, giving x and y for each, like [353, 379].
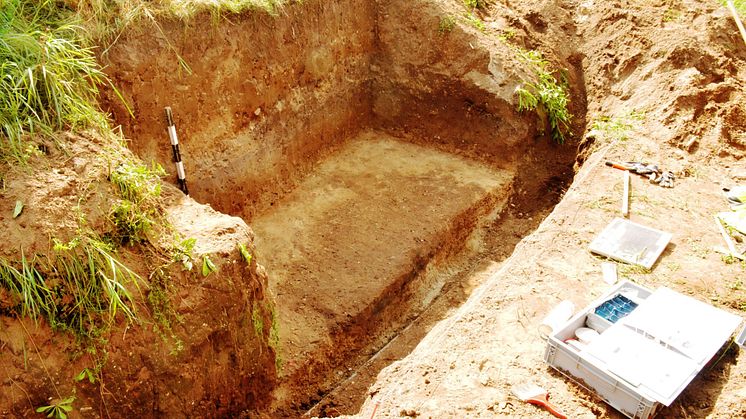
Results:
[349, 247]
[410, 227]
[682, 64]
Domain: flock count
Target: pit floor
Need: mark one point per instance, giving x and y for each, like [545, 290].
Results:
[360, 220]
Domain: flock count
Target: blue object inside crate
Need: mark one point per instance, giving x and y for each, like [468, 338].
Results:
[647, 358]
[615, 308]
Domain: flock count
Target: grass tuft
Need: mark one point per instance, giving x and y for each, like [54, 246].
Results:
[80, 288]
[136, 182]
[618, 128]
[48, 78]
[139, 187]
[446, 24]
[189, 8]
[475, 4]
[475, 21]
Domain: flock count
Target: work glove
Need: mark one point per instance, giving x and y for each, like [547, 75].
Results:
[642, 168]
[665, 179]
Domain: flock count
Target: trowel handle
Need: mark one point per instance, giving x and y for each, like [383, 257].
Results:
[616, 165]
[546, 404]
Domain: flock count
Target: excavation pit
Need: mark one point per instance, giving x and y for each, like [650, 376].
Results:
[375, 159]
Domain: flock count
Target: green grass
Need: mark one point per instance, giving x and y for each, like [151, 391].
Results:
[446, 24]
[26, 292]
[617, 128]
[545, 95]
[671, 15]
[188, 8]
[80, 287]
[475, 4]
[134, 215]
[87, 271]
[245, 255]
[106, 20]
[48, 77]
[739, 4]
[475, 21]
[137, 182]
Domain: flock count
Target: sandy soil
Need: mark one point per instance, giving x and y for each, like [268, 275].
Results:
[350, 242]
[687, 74]
[418, 218]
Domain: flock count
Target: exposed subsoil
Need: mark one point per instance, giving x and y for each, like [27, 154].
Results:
[682, 64]
[403, 212]
[349, 249]
[359, 233]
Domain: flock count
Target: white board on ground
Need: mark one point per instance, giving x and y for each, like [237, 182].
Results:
[630, 242]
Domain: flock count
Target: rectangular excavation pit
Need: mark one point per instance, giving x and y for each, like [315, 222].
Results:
[343, 249]
[357, 232]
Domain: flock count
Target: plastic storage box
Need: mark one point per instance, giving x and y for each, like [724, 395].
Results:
[648, 357]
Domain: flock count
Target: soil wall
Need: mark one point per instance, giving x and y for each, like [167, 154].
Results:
[265, 98]
[268, 96]
[447, 87]
[200, 345]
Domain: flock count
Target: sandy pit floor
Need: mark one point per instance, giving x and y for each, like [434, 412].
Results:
[365, 218]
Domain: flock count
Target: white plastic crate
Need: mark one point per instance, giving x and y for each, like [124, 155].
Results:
[628, 381]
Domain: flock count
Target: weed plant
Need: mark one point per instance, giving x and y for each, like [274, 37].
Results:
[475, 21]
[182, 252]
[547, 96]
[208, 266]
[446, 24]
[162, 309]
[58, 409]
[245, 255]
[475, 4]
[134, 215]
[618, 128]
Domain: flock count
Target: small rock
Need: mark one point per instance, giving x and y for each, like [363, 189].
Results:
[484, 379]
[409, 413]
[79, 164]
[258, 111]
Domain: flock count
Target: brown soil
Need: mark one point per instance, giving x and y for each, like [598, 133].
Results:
[146, 369]
[347, 248]
[274, 165]
[687, 75]
[398, 201]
